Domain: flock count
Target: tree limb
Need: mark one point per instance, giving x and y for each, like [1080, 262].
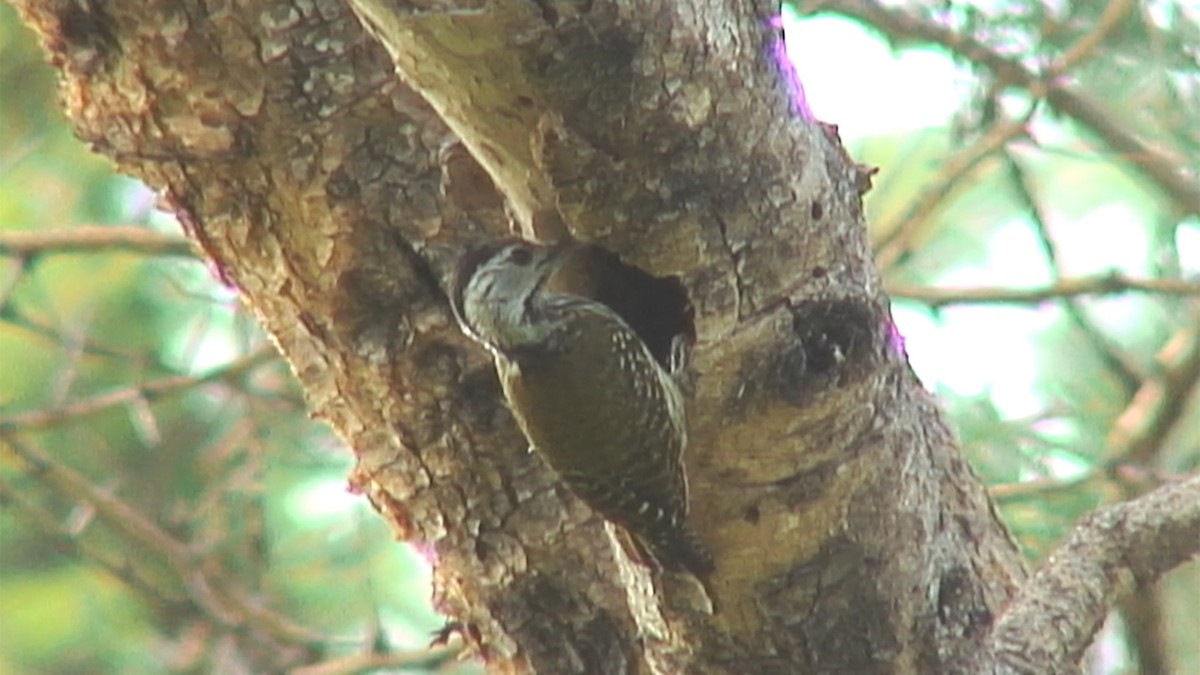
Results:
[1114, 551]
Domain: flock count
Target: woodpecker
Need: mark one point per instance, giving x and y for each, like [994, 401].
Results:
[586, 391]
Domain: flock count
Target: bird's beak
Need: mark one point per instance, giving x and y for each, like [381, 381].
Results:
[558, 271]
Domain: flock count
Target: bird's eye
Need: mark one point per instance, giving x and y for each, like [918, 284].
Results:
[521, 256]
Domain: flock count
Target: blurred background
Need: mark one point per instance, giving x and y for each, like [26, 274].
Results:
[160, 478]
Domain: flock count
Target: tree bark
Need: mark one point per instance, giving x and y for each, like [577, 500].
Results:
[849, 533]
[1110, 554]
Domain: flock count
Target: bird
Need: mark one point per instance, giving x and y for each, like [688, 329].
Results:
[587, 392]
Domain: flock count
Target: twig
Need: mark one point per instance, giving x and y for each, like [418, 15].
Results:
[9, 284]
[207, 586]
[40, 419]
[68, 541]
[1040, 488]
[1111, 355]
[13, 316]
[1158, 405]
[896, 240]
[95, 239]
[1107, 284]
[1167, 171]
[1052, 620]
[126, 519]
[1110, 18]
[370, 663]
[1100, 477]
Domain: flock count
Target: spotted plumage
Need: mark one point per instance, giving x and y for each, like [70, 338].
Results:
[587, 392]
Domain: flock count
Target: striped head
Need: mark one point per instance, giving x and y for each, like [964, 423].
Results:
[494, 289]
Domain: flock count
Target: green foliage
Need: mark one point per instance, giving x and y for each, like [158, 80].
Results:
[229, 468]
[1052, 398]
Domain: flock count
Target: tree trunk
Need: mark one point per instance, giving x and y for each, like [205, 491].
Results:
[849, 534]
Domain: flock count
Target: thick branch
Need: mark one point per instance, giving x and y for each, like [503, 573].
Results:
[470, 70]
[1109, 555]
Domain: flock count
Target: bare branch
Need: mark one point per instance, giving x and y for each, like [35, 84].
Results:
[896, 240]
[1112, 550]
[1039, 488]
[207, 586]
[426, 659]
[1052, 620]
[1110, 354]
[1166, 169]
[95, 239]
[14, 316]
[124, 517]
[1128, 475]
[1109, 19]
[68, 542]
[1158, 405]
[1106, 284]
[39, 419]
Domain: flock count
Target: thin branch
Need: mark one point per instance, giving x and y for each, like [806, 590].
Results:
[425, 659]
[1050, 623]
[1106, 284]
[1156, 408]
[124, 518]
[10, 283]
[1110, 354]
[896, 241]
[95, 239]
[1097, 478]
[13, 316]
[1164, 168]
[67, 541]
[1135, 541]
[40, 419]
[1039, 488]
[1168, 171]
[1112, 16]
[206, 584]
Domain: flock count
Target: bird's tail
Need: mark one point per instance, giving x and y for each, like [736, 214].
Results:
[677, 549]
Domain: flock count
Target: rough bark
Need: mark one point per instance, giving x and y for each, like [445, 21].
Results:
[1112, 553]
[850, 536]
